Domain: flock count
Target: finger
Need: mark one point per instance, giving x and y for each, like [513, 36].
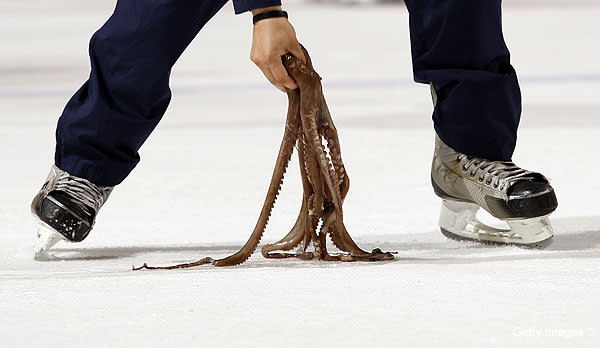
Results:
[281, 75]
[297, 52]
[269, 75]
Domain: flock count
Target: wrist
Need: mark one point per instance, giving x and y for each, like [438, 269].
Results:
[266, 9]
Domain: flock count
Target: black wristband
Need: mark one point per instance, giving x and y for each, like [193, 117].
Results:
[269, 14]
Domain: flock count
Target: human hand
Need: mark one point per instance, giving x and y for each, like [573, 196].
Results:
[271, 39]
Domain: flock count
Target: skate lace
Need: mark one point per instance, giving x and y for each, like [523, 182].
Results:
[82, 190]
[501, 175]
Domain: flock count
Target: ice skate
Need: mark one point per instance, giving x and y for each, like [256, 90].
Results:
[521, 198]
[66, 209]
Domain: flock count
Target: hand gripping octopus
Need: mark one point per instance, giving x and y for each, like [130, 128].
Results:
[324, 181]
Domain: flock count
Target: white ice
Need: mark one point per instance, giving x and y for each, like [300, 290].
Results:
[204, 174]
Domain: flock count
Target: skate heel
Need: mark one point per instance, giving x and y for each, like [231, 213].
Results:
[458, 221]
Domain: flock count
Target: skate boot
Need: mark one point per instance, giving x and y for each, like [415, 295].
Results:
[66, 209]
[521, 198]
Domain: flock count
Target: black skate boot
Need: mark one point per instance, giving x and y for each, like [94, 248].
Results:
[521, 198]
[66, 208]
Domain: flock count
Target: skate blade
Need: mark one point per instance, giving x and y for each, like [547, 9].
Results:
[537, 245]
[46, 238]
[458, 221]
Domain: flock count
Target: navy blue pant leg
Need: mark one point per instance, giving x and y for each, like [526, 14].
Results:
[458, 47]
[109, 118]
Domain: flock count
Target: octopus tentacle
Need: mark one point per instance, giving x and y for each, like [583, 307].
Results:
[308, 191]
[325, 182]
[308, 112]
[299, 233]
[283, 158]
[291, 240]
[342, 239]
[333, 143]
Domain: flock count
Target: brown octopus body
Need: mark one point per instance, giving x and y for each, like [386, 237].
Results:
[324, 180]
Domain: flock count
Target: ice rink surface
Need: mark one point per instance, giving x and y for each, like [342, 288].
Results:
[205, 171]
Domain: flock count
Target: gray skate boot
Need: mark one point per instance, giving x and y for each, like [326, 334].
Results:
[521, 198]
[66, 209]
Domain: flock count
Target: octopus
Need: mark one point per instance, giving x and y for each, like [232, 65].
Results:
[309, 128]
